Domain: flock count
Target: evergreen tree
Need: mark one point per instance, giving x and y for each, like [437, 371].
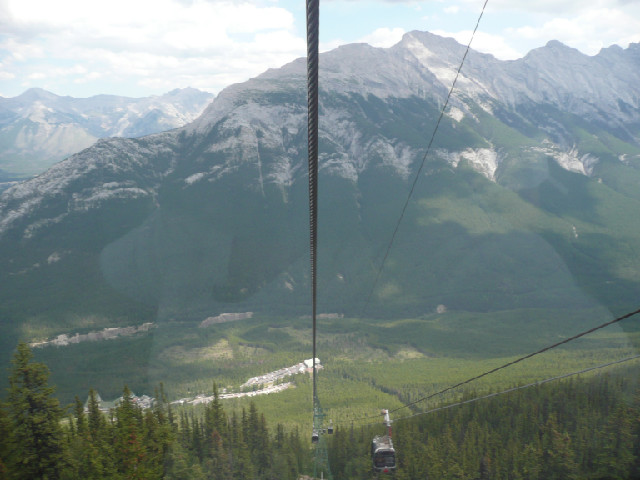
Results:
[242, 465]
[196, 439]
[130, 450]
[218, 463]
[183, 465]
[635, 412]
[85, 454]
[4, 446]
[557, 454]
[615, 458]
[81, 420]
[36, 444]
[95, 421]
[184, 431]
[215, 418]
[158, 434]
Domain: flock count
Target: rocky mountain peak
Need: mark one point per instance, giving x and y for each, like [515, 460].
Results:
[39, 128]
[213, 216]
[34, 94]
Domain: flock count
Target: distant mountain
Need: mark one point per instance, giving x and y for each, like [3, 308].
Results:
[39, 128]
[528, 200]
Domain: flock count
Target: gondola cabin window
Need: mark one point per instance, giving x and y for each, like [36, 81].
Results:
[383, 454]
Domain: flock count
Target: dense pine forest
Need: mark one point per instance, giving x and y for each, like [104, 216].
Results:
[586, 428]
[578, 429]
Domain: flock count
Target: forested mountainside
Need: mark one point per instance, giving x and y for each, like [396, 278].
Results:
[526, 208]
[586, 428]
[39, 128]
[540, 186]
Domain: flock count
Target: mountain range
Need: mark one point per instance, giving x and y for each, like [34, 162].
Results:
[39, 128]
[527, 201]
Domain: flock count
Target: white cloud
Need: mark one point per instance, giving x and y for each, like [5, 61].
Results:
[330, 45]
[383, 37]
[21, 51]
[152, 42]
[157, 45]
[589, 31]
[517, 26]
[549, 7]
[483, 42]
[145, 24]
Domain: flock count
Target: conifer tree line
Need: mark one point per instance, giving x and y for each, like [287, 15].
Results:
[580, 429]
[39, 440]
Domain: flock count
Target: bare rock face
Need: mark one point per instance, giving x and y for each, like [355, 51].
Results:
[38, 128]
[111, 333]
[212, 217]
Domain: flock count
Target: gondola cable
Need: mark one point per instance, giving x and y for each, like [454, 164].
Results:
[518, 360]
[313, 26]
[313, 14]
[424, 158]
[513, 389]
[508, 364]
[312, 88]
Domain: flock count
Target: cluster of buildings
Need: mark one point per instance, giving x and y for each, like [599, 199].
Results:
[267, 383]
[144, 402]
[204, 399]
[109, 333]
[271, 377]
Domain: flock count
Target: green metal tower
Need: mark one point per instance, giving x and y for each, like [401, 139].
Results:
[321, 468]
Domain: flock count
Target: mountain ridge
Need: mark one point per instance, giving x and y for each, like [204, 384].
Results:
[39, 128]
[211, 217]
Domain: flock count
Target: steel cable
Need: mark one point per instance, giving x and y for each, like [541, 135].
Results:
[513, 389]
[424, 158]
[518, 360]
[313, 25]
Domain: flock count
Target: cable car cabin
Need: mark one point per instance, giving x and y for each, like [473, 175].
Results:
[383, 454]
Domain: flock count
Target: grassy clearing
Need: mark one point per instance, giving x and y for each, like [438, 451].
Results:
[368, 365]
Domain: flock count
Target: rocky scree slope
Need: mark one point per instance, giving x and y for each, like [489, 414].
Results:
[39, 128]
[528, 199]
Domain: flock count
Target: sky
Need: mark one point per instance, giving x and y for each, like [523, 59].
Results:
[138, 48]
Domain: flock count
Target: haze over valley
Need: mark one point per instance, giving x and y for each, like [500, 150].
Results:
[188, 246]
[39, 128]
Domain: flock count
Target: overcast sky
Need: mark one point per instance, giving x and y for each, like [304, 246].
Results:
[147, 47]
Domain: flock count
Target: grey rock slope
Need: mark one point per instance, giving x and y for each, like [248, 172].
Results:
[39, 128]
[528, 198]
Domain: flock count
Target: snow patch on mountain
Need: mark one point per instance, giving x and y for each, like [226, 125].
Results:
[33, 228]
[79, 183]
[483, 160]
[8, 216]
[571, 160]
[258, 125]
[95, 197]
[340, 165]
[456, 114]
[399, 157]
[629, 159]
[196, 177]
[55, 257]
[37, 112]
[39, 128]
[284, 171]
[442, 57]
